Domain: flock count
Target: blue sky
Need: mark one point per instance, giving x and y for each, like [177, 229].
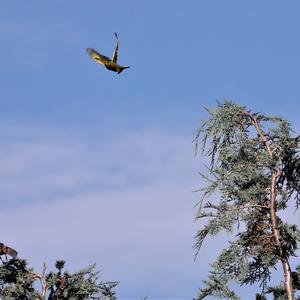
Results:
[103, 163]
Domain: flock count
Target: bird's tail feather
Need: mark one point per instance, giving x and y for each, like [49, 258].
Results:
[123, 68]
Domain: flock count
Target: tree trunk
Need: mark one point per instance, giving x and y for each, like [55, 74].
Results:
[284, 260]
[282, 256]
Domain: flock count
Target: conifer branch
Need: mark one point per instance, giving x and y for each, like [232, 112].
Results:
[259, 131]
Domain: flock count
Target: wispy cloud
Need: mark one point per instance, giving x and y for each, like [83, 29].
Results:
[124, 203]
[36, 168]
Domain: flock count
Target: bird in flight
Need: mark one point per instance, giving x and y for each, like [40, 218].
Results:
[5, 250]
[110, 64]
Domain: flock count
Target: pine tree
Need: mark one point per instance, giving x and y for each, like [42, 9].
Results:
[254, 173]
[18, 281]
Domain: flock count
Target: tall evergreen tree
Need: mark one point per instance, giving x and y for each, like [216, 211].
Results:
[254, 173]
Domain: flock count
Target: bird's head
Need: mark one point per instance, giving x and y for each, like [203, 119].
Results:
[89, 51]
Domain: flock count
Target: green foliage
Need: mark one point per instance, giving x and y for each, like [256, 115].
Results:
[217, 287]
[260, 297]
[17, 281]
[278, 292]
[247, 151]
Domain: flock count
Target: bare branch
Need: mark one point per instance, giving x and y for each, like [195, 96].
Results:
[42, 279]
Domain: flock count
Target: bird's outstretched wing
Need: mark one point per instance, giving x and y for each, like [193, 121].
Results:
[7, 251]
[101, 59]
[115, 54]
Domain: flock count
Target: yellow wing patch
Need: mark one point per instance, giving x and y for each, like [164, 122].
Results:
[101, 59]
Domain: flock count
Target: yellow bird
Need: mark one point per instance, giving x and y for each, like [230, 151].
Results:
[110, 64]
